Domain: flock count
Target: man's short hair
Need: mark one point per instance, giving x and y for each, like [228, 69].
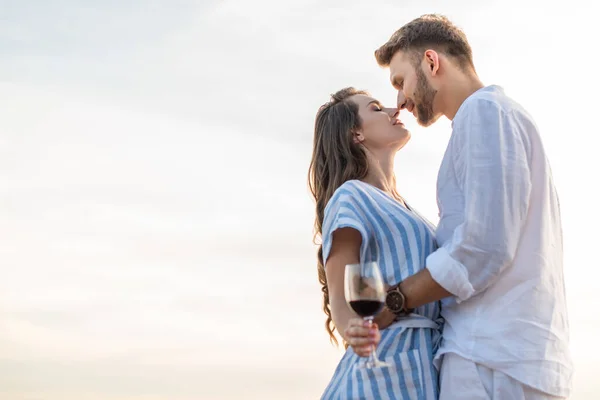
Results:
[429, 31]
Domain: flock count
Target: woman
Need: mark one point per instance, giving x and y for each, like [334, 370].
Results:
[361, 217]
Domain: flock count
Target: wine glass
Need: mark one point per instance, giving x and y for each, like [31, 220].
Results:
[365, 294]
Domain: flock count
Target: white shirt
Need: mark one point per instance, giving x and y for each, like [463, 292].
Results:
[500, 241]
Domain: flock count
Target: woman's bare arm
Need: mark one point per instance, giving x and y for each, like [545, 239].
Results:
[345, 249]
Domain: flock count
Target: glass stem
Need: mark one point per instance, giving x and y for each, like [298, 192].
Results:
[372, 361]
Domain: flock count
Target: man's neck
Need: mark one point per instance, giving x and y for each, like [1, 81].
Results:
[459, 88]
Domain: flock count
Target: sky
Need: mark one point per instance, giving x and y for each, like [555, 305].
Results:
[155, 221]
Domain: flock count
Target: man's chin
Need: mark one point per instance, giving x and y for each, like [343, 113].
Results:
[427, 122]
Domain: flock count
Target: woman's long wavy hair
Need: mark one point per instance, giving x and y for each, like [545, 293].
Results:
[335, 160]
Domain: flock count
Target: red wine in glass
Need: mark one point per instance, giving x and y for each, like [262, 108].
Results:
[365, 294]
[366, 308]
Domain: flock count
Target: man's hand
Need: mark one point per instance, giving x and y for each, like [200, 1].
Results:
[385, 318]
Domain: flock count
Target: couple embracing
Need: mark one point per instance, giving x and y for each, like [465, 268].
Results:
[475, 307]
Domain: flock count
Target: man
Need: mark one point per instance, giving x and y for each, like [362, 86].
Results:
[499, 266]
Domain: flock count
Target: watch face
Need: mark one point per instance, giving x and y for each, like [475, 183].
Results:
[394, 302]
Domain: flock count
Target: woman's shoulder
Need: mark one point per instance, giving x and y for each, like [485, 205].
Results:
[348, 206]
[351, 188]
[349, 192]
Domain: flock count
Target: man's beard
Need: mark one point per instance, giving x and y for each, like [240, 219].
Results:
[424, 96]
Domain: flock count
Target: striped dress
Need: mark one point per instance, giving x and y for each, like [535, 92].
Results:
[399, 239]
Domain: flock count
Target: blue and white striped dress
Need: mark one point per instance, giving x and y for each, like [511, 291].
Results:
[399, 240]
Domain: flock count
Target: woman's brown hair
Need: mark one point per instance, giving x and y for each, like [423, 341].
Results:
[335, 160]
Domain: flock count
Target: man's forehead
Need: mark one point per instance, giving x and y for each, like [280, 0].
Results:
[398, 62]
[399, 55]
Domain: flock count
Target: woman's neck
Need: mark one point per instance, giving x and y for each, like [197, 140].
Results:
[381, 173]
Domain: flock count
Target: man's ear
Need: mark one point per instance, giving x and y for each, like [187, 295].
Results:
[431, 59]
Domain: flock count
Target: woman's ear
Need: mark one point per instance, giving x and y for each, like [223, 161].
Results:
[357, 137]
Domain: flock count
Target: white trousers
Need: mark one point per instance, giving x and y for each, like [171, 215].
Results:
[461, 379]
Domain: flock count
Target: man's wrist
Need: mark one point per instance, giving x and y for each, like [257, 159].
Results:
[395, 301]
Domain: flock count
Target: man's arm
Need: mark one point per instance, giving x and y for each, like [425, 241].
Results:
[492, 168]
[420, 289]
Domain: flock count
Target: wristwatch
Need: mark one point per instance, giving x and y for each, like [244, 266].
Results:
[395, 301]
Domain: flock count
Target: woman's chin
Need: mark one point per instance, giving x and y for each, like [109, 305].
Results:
[406, 138]
[400, 144]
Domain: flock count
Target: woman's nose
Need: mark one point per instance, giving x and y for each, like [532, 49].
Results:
[392, 112]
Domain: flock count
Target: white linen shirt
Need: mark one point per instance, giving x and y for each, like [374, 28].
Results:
[500, 241]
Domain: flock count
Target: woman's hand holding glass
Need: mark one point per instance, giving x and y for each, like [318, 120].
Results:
[362, 336]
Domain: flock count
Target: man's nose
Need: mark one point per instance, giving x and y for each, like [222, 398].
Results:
[401, 101]
[404, 103]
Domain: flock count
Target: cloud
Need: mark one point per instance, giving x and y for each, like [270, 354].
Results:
[153, 197]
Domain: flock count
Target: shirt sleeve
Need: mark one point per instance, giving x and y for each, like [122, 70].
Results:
[345, 210]
[492, 169]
